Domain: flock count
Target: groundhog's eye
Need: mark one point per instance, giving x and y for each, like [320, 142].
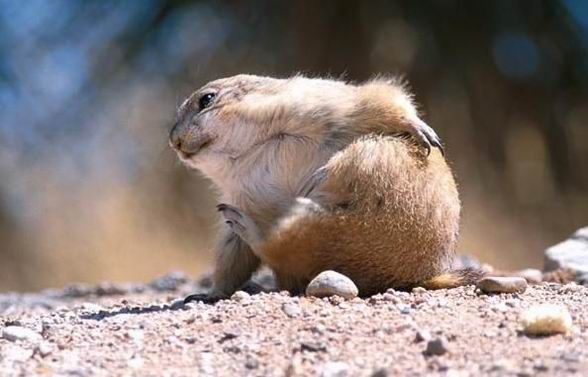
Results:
[206, 100]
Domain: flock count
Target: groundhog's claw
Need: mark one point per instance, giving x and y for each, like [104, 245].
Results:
[426, 136]
[207, 299]
[241, 224]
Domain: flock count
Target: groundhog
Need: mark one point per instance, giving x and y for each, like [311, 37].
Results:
[318, 174]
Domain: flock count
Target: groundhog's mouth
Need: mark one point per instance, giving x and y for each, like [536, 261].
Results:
[194, 150]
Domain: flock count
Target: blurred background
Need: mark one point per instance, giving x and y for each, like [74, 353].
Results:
[90, 191]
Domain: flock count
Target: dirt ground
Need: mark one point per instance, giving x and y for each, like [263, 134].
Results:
[145, 330]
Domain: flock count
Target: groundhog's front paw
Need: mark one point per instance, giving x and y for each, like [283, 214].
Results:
[241, 224]
[426, 136]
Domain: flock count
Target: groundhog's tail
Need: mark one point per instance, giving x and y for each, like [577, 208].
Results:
[455, 278]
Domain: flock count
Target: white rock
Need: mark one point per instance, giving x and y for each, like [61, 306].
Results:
[16, 353]
[14, 333]
[546, 319]
[330, 283]
[135, 363]
[44, 349]
[135, 335]
[90, 307]
[292, 310]
[571, 253]
[531, 275]
[241, 296]
[335, 369]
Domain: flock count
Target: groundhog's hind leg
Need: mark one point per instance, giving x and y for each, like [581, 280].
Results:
[291, 246]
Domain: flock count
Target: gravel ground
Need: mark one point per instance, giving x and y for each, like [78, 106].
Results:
[145, 330]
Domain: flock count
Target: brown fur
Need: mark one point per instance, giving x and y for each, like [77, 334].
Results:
[318, 171]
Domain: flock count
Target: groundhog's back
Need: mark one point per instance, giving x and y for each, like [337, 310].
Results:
[395, 222]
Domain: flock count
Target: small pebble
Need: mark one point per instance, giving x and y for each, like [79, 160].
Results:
[90, 307]
[14, 333]
[313, 346]
[330, 283]
[437, 346]
[422, 336]
[570, 288]
[335, 369]
[382, 372]
[241, 296]
[291, 310]
[546, 319]
[497, 284]
[390, 297]
[44, 349]
[251, 363]
[531, 275]
[404, 308]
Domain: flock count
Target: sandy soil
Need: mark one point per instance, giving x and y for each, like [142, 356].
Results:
[144, 330]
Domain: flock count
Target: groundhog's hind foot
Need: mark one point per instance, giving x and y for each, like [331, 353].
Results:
[201, 297]
[241, 224]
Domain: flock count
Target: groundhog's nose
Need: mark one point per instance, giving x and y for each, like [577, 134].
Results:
[175, 139]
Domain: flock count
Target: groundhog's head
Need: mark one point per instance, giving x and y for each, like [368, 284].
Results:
[223, 118]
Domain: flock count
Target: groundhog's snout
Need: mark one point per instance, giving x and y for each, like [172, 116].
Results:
[187, 141]
[175, 139]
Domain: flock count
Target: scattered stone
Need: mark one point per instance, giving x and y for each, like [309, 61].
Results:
[330, 283]
[169, 282]
[89, 307]
[381, 372]
[135, 335]
[500, 307]
[404, 308]
[531, 275]
[18, 354]
[437, 347]
[335, 369]
[135, 363]
[292, 310]
[312, 346]
[230, 334]
[498, 284]
[571, 288]
[418, 290]
[251, 363]
[44, 349]
[422, 336]
[546, 319]
[241, 296]
[390, 297]
[569, 254]
[110, 289]
[14, 333]
[178, 304]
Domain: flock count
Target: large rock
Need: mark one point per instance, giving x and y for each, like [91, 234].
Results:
[546, 319]
[571, 253]
[331, 283]
[502, 284]
[14, 333]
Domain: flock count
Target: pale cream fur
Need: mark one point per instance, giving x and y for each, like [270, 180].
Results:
[320, 172]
